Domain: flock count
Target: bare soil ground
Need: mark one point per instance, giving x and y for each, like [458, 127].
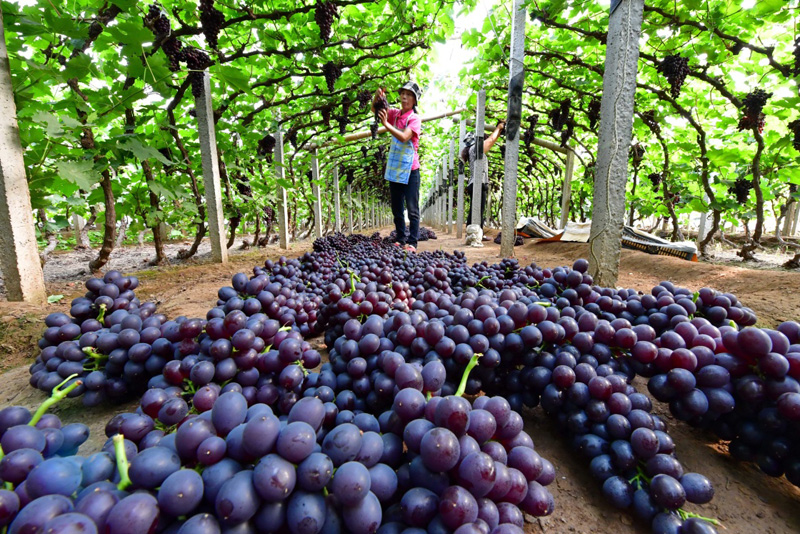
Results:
[746, 501]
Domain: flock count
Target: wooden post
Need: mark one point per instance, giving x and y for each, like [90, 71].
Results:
[566, 189]
[315, 193]
[480, 163]
[337, 200]
[616, 124]
[462, 131]
[794, 221]
[22, 270]
[211, 181]
[283, 216]
[350, 207]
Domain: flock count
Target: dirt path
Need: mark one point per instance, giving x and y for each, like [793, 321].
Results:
[747, 501]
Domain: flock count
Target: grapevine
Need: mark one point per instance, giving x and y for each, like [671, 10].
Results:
[649, 118]
[675, 68]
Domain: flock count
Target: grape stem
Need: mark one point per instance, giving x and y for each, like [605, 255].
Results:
[686, 515]
[122, 462]
[470, 366]
[102, 314]
[99, 359]
[57, 395]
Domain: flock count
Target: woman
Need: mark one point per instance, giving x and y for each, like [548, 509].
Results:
[402, 163]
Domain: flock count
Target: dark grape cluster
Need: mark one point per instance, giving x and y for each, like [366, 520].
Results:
[332, 72]
[157, 20]
[741, 190]
[675, 68]
[794, 127]
[649, 118]
[266, 147]
[796, 53]
[197, 62]
[518, 241]
[594, 112]
[211, 21]
[655, 178]
[291, 137]
[380, 104]
[324, 13]
[363, 98]
[566, 133]
[325, 111]
[636, 153]
[753, 105]
[559, 116]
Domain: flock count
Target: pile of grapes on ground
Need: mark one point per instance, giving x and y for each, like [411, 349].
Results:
[413, 420]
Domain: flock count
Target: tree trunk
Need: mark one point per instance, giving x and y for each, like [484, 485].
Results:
[751, 244]
[109, 226]
[158, 241]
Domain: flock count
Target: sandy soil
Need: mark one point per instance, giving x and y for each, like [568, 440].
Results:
[746, 501]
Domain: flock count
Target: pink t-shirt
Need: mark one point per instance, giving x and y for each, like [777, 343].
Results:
[409, 120]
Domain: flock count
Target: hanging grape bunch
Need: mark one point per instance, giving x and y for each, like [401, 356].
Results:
[157, 21]
[364, 152]
[325, 111]
[753, 105]
[560, 115]
[529, 134]
[363, 99]
[291, 137]
[332, 72]
[594, 112]
[794, 127]
[344, 119]
[636, 153]
[211, 20]
[380, 104]
[675, 68]
[567, 133]
[379, 154]
[655, 177]
[796, 53]
[741, 190]
[649, 119]
[324, 12]
[266, 147]
[349, 176]
[196, 61]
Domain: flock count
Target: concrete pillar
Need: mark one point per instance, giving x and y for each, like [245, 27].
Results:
[462, 131]
[450, 175]
[78, 226]
[22, 271]
[337, 208]
[787, 220]
[480, 163]
[706, 220]
[315, 193]
[566, 188]
[350, 207]
[616, 123]
[283, 201]
[794, 221]
[211, 181]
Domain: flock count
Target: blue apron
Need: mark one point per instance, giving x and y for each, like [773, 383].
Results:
[400, 158]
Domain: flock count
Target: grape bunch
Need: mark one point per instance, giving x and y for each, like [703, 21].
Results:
[655, 178]
[796, 54]
[636, 153]
[794, 127]
[649, 118]
[560, 115]
[567, 133]
[594, 112]
[157, 20]
[380, 104]
[741, 190]
[753, 105]
[324, 12]
[363, 98]
[325, 111]
[211, 21]
[266, 147]
[197, 62]
[675, 68]
[332, 72]
[518, 241]
[291, 137]
[425, 234]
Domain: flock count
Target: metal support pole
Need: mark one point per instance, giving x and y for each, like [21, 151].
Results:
[315, 193]
[283, 216]
[515, 83]
[450, 175]
[566, 189]
[616, 123]
[211, 181]
[462, 131]
[336, 200]
[480, 162]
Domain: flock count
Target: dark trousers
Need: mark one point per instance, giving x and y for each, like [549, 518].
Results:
[408, 194]
[484, 196]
